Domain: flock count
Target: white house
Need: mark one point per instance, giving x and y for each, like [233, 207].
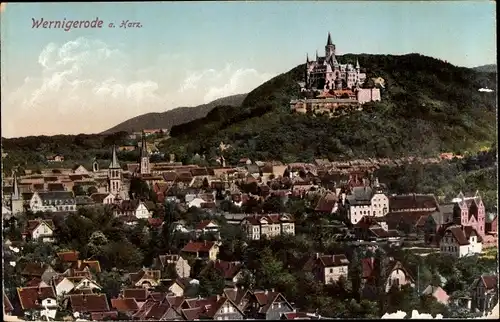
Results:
[196, 202]
[379, 204]
[328, 268]
[461, 241]
[103, 198]
[364, 201]
[41, 299]
[270, 225]
[81, 170]
[136, 208]
[87, 283]
[39, 230]
[50, 201]
[63, 286]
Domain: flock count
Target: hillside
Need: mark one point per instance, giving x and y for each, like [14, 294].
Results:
[491, 68]
[428, 106]
[173, 117]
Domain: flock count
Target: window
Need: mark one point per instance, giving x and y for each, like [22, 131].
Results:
[331, 270]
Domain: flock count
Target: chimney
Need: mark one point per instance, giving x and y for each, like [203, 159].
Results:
[272, 290]
[317, 255]
[265, 292]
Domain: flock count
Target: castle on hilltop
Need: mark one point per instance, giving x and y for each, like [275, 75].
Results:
[327, 73]
[330, 87]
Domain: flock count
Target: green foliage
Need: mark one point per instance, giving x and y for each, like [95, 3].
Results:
[211, 282]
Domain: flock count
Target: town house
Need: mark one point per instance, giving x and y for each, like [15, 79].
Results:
[41, 299]
[180, 265]
[267, 305]
[485, 293]
[39, 230]
[397, 276]
[328, 268]
[203, 249]
[460, 241]
[470, 211]
[269, 225]
[145, 278]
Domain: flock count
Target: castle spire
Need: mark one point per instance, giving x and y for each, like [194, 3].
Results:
[114, 160]
[329, 41]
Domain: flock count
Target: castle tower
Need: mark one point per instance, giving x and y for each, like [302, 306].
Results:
[17, 204]
[329, 48]
[114, 175]
[144, 167]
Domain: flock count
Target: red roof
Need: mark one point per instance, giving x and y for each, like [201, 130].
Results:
[31, 297]
[195, 247]
[87, 303]
[100, 316]
[490, 281]
[7, 306]
[203, 224]
[69, 256]
[125, 304]
[139, 294]
[228, 269]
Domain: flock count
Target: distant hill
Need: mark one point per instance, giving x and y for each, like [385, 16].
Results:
[491, 68]
[174, 117]
[428, 106]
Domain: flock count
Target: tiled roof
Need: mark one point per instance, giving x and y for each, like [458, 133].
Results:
[69, 256]
[100, 316]
[413, 201]
[236, 295]
[34, 269]
[490, 281]
[458, 234]
[125, 304]
[193, 247]
[227, 269]
[326, 261]
[145, 274]
[7, 306]
[98, 197]
[326, 203]
[140, 294]
[57, 195]
[31, 297]
[204, 223]
[87, 303]
[33, 224]
[265, 299]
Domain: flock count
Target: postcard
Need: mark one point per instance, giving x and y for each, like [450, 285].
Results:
[249, 160]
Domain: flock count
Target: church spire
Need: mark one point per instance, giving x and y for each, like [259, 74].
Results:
[329, 41]
[144, 147]
[307, 58]
[357, 64]
[15, 187]
[317, 56]
[114, 160]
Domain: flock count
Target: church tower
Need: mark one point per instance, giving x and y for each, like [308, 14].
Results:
[144, 166]
[329, 48]
[114, 175]
[17, 203]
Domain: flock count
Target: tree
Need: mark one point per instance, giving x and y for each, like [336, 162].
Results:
[273, 204]
[355, 274]
[139, 189]
[211, 282]
[111, 282]
[78, 190]
[91, 190]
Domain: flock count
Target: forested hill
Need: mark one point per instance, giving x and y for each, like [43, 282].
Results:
[174, 117]
[491, 68]
[428, 106]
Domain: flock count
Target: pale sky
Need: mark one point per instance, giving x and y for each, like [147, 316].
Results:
[186, 54]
